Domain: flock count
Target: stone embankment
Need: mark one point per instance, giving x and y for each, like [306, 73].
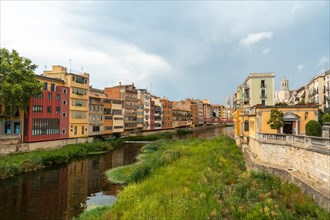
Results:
[301, 160]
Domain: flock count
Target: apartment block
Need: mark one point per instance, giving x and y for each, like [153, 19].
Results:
[47, 117]
[157, 112]
[181, 118]
[258, 88]
[113, 116]
[79, 92]
[167, 107]
[96, 112]
[145, 100]
[128, 94]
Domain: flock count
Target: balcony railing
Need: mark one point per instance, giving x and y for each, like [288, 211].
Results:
[263, 96]
[317, 144]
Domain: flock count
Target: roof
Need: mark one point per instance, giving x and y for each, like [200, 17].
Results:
[49, 78]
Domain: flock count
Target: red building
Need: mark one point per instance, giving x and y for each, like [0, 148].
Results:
[47, 117]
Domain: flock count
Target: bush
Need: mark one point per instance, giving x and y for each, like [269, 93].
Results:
[313, 128]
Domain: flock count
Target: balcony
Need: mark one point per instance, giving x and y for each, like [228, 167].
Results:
[263, 96]
[262, 85]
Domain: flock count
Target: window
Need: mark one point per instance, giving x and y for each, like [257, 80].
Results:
[63, 131]
[37, 108]
[246, 125]
[64, 91]
[44, 126]
[78, 102]
[49, 96]
[263, 102]
[64, 102]
[107, 111]
[58, 97]
[78, 91]
[82, 130]
[262, 84]
[58, 110]
[96, 128]
[45, 86]
[75, 130]
[52, 87]
[107, 117]
[64, 114]
[78, 114]
[49, 109]
[263, 94]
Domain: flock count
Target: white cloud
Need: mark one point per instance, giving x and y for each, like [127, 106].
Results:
[266, 50]
[300, 67]
[107, 59]
[323, 64]
[296, 7]
[254, 38]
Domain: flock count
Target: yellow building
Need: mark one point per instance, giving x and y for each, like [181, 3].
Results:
[79, 95]
[249, 122]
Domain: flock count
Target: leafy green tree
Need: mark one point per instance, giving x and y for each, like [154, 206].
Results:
[326, 117]
[17, 81]
[313, 128]
[276, 119]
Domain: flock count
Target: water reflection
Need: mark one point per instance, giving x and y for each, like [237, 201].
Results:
[64, 192]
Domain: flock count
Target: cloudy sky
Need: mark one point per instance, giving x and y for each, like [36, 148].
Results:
[177, 49]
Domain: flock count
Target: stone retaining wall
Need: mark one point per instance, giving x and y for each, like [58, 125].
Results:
[307, 169]
[24, 147]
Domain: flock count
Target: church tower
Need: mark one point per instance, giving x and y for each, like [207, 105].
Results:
[284, 84]
[228, 102]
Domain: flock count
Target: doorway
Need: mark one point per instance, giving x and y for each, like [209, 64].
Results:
[287, 127]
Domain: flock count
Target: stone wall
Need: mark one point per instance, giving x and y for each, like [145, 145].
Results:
[321, 197]
[309, 156]
[24, 147]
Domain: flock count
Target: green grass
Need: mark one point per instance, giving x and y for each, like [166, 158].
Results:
[151, 137]
[184, 131]
[14, 164]
[207, 180]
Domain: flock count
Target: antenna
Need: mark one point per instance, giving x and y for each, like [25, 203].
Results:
[82, 69]
[70, 64]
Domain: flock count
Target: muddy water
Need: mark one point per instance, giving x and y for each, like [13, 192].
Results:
[64, 192]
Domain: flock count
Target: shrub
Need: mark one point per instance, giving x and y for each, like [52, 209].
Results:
[313, 128]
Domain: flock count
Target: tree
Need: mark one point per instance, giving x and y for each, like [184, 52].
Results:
[276, 119]
[313, 128]
[17, 81]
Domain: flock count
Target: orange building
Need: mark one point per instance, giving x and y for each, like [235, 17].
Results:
[79, 96]
[167, 107]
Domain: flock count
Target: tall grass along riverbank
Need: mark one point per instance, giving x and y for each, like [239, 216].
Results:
[14, 164]
[202, 179]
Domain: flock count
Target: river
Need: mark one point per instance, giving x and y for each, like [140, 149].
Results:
[63, 192]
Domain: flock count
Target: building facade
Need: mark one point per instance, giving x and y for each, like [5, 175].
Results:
[47, 117]
[96, 112]
[79, 92]
[167, 107]
[128, 94]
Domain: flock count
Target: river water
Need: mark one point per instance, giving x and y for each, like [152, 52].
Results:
[63, 192]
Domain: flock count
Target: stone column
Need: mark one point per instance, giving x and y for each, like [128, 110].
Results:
[326, 129]
[297, 121]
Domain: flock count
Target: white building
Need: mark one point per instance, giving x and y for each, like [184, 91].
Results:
[283, 95]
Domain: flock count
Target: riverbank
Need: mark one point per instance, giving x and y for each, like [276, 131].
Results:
[202, 179]
[14, 164]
